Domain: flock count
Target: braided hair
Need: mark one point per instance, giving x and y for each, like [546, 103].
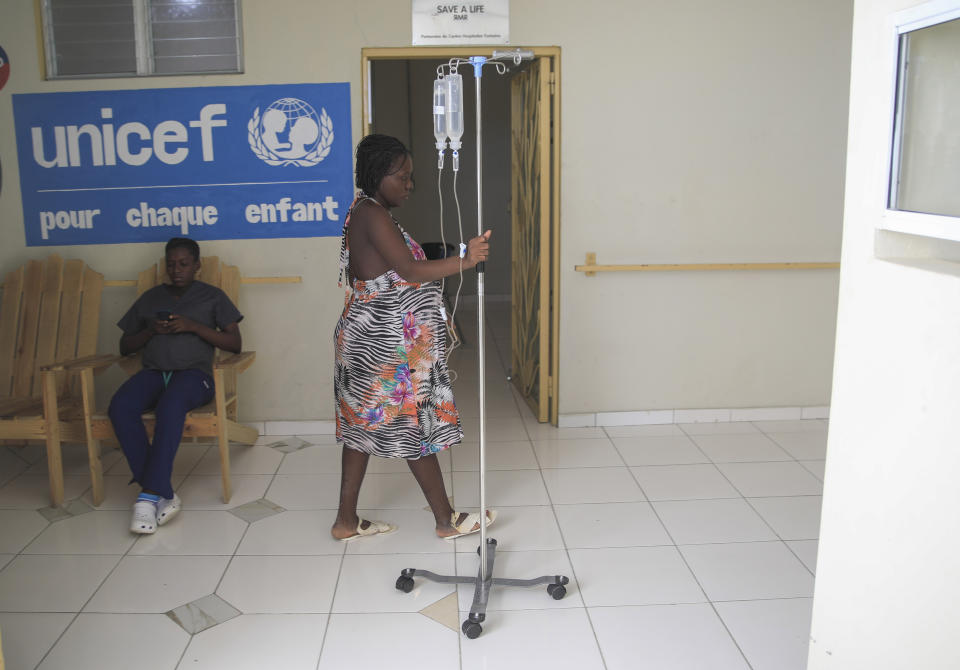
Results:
[376, 157]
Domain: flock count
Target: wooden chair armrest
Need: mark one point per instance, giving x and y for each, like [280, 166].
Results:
[238, 362]
[10, 406]
[94, 362]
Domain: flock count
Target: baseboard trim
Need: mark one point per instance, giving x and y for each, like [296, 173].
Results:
[294, 427]
[715, 415]
[636, 418]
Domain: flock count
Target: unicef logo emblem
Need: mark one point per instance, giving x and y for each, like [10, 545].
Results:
[290, 133]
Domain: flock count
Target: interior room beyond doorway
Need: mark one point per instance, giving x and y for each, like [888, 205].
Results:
[401, 95]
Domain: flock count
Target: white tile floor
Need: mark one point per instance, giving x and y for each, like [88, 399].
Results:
[687, 546]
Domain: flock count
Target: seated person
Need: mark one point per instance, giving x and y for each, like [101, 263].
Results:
[178, 326]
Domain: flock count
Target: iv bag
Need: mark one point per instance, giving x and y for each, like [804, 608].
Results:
[439, 113]
[454, 108]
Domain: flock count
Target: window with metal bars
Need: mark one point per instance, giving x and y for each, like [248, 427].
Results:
[120, 38]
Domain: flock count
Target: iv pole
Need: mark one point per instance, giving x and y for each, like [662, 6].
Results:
[556, 584]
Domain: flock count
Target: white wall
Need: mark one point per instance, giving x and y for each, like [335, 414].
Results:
[694, 131]
[701, 132]
[887, 581]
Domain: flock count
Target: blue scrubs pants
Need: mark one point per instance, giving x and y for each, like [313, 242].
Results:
[171, 399]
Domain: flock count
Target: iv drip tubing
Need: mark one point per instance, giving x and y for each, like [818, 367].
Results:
[443, 238]
[456, 300]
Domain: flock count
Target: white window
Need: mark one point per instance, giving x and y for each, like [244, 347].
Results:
[95, 38]
[923, 197]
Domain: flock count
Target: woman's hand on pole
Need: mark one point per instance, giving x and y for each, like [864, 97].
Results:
[478, 250]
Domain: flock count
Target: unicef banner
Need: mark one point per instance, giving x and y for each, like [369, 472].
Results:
[237, 162]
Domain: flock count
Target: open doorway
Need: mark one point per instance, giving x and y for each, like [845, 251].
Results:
[520, 189]
[401, 94]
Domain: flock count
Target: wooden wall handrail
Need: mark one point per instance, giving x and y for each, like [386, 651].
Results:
[591, 268]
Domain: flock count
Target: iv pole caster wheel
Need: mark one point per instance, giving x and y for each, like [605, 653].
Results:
[556, 591]
[404, 584]
[492, 542]
[471, 629]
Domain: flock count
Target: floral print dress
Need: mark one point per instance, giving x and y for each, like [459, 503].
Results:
[391, 384]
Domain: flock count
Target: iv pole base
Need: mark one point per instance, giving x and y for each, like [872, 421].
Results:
[471, 627]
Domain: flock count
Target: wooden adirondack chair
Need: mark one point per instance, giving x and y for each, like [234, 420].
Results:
[49, 314]
[217, 419]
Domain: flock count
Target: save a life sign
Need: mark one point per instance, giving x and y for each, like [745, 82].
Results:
[486, 22]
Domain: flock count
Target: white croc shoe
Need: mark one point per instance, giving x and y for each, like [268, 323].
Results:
[144, 519]
[167, 509]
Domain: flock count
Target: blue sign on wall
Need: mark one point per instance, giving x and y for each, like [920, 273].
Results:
[212, 163]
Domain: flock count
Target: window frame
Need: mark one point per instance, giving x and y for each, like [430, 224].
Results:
[143, 36]
[916, 223]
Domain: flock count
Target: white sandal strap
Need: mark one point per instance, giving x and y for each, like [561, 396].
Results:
[472, 519]
[374, 527]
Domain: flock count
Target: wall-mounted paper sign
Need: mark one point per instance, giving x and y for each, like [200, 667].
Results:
[483, 22]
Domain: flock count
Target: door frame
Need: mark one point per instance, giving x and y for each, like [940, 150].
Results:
[369, 54]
